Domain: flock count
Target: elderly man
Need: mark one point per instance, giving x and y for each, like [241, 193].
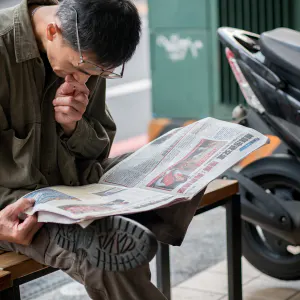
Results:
[55, 129]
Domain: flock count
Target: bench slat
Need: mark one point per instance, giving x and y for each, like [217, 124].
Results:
[18, 265]
[218, 190]
[9, 259]
[5, 280]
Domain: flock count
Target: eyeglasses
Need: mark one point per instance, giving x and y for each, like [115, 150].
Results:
[103, 73]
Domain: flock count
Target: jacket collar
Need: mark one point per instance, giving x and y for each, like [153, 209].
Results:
[25, 43]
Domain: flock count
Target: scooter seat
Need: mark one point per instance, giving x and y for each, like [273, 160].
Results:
[281, 47]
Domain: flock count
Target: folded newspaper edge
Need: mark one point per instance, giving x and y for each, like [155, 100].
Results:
[171, 169]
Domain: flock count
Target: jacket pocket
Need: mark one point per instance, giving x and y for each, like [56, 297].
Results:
[16, 159]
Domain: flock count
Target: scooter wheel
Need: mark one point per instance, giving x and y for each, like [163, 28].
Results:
[266, 252]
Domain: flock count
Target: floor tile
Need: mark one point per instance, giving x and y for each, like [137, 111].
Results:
[210, 281]
[268, 288]
[247, 298]
[190, 294]
[247, 268]
[281, 283]
[73, 290]
[296, 297]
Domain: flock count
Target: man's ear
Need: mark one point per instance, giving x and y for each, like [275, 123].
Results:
[52, 31]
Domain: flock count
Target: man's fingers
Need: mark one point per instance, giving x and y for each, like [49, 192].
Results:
[68, 88]
[65, 89]
[22, 205]
[82, 98]
[71, 87]
[69, 78]
[28, 223]
[32, 233]
[69, 113]
[79, 103]
[79, 87]
[27, 226]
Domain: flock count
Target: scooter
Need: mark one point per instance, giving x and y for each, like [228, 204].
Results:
[267, 69]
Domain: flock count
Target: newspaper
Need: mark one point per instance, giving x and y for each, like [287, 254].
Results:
[171, 169]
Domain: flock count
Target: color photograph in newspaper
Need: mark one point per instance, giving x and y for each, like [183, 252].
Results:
[180, 172]
[203, 164]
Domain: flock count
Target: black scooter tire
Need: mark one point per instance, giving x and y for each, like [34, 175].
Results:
[280, 267]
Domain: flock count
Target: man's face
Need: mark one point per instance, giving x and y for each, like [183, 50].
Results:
[64, 60]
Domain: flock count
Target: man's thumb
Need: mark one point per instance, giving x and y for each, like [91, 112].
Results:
[67, 89]
[69, 78]
[22, 205]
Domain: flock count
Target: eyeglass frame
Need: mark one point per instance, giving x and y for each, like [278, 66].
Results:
[86, 61]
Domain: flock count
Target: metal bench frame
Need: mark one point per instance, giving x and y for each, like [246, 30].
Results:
[13, 293]
[234, 251]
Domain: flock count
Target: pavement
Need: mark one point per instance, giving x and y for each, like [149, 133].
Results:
[211, 284]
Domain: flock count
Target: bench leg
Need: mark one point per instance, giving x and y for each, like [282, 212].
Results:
[163, 270]
[12, 293]
[17, 295]
[7, 294]
[234, 248]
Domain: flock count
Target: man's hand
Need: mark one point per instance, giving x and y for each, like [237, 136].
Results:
[12, 229]
[70, 104]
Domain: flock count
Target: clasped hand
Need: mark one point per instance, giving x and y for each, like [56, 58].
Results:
[70, 103]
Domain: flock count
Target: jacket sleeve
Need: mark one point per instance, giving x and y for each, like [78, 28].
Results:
[94, 134]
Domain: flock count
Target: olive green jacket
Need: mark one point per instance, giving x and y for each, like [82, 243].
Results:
[33, 150]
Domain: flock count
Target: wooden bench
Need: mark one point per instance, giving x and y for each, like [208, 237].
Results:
[16, 269]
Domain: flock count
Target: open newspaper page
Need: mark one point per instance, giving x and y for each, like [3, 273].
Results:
[77, 204]
[171, 169]
[183, 162]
